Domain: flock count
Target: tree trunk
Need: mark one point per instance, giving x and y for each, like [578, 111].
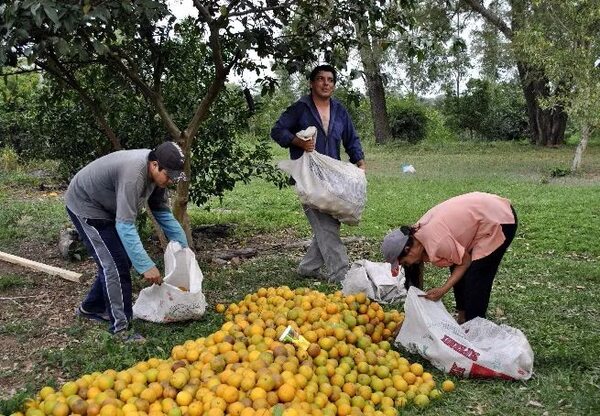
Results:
[182, 196]
[186, 137]
[162, 239]
[546, 126]
[376, 91]
[186, 140]
[585, 136]
[106, 129]
[370, 56]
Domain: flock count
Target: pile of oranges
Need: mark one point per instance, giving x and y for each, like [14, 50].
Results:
[243, 369]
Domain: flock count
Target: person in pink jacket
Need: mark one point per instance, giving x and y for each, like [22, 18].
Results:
[469, 234]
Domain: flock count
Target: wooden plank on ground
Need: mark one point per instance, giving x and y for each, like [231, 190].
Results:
[46, 268]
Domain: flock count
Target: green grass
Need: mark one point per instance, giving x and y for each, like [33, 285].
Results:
[10, 280]
[547, 286]
[40, 220]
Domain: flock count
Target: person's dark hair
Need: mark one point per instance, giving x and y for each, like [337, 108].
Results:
[410, 232]
[153, 158]
[413, 274]
[326, 68]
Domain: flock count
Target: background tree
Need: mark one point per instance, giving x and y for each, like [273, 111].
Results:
[421, 53]
[547, 124]
[488, 110]
[564, 42]
[374, 27]
[488, 43]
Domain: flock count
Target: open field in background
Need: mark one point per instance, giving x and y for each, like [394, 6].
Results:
[548, 285]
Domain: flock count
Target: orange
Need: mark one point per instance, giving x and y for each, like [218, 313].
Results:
[409, 377]
[286, 392]
[61, 409]
[109, 410]
[69, 389]
[178, 352]
[448, 386]
[257, 393]
[230, 394]
[184, 398]
[148, 394]
[104, 382]
[416, 369]
[215, 412]
[421, 400]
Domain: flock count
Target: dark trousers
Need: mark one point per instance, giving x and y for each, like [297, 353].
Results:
[472, 292]
[111, 291]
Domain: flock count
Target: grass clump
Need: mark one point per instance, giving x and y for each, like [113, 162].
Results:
[10, 281]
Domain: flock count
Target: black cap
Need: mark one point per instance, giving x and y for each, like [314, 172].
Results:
[170, 157]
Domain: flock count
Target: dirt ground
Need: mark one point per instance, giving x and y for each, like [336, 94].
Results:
[33, 316]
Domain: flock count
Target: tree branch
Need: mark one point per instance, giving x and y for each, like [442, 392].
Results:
[203, 11]
[19, 71]
[221, 72]
[494, 19]
[157, 56]
[260, 10]
[155, 98]
[55, 67]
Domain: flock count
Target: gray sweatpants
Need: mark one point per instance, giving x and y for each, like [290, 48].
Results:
[326, 248]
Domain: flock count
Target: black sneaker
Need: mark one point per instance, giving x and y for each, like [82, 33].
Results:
[99, 317]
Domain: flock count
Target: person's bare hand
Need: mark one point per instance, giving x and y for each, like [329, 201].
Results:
[434, 294]
[153, 276]
[309, 145]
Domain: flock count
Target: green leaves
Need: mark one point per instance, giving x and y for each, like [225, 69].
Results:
[52, 15]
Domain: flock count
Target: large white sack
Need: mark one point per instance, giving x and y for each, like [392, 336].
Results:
[331, 186]
[376, 280]
[168, 302]
[478, 348]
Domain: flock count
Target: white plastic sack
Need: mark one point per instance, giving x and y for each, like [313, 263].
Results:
[331, 186]
[479, 348]
[168, 302]
[376, 280]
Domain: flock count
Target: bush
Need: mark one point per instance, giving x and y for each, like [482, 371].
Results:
[18, 117]
[487, 111]
[408, 119]
[437, 129]
[9, 160]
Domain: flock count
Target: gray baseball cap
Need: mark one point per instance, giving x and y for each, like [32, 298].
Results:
[393, 244]
[170, 157]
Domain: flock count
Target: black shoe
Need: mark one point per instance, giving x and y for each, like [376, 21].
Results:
[99, 317]
[314, 274]
[129, 337]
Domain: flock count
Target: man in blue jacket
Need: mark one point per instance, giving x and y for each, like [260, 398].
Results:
[334, 128]
[103, 200]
